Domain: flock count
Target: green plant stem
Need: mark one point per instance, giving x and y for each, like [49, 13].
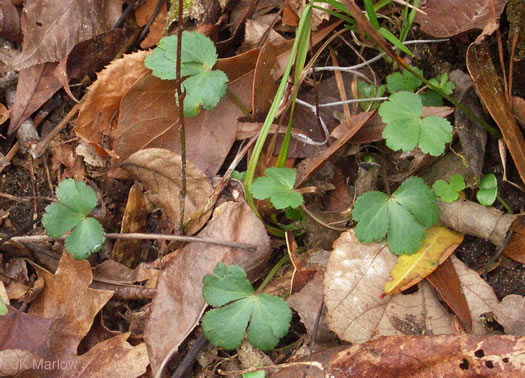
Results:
[272, 273]
[250, 172]
[237, 101]
[504, 204]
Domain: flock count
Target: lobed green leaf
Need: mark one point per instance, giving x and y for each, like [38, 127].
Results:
[86, 238]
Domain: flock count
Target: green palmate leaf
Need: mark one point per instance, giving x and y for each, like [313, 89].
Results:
[269, 316]
[226, 285]
[86, 238]
[403, 216]
[432, 98]
[406, 127]
[77, 200]
[59, 219]
[204, 86]
[488, 190]
[204, 89]
[76, 195]
[403, 81]
[277, 185]
[449, 192]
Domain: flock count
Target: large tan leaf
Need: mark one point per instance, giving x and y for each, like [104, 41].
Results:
[354, 282]
[353, 286]
[445, 18]
[159, 170]
[52, 28]
[178, 304]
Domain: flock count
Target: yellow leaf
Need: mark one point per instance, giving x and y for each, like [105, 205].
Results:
[437, 246]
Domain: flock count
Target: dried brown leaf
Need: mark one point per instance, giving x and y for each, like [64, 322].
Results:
[35, 86]
[10, 25]
[509, 313]
[159, 170]
[104, 95]
[446, 18]
[52, 28]
[178, 303]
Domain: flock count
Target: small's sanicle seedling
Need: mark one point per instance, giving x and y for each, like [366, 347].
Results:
[404, 216]
[203, 85]
[406, 127]
[76, 201]
[269, 316]
[277, 185]
[449, 192]
[488, 190]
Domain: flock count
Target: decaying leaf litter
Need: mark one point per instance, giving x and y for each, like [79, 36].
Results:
[135, 307]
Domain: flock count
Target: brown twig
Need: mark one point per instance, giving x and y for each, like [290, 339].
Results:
[182, 130]
[143, 236]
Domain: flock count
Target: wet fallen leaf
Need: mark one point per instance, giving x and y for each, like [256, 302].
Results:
[159, 170]
[430, 356]
[437, 246]
[445, 18]
[178, 304]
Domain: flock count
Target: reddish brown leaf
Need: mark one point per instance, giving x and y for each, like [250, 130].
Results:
[264, 83]
[445, 280]
[518, 109]
[431, 356]
[10, 25]
[19, 330]
[35, 86]
[178, 304]
[301, 276]
[445, 18]
[483, 72]
[52, 29]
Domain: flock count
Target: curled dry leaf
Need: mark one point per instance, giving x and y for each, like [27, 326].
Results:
[450, 355]
[446, 18]
[104, 95]
[159, 170]
[471, 218]
[178, 303]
